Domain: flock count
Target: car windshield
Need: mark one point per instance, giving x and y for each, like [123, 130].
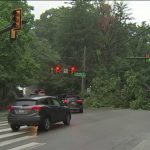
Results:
[25, 102]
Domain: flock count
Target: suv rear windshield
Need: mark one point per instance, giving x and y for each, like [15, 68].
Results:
[25, 102]
[72, 99]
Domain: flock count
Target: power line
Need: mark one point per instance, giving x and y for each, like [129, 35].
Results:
[135, 37]
[138, 34]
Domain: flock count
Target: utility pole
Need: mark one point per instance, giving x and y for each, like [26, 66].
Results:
[84, 69]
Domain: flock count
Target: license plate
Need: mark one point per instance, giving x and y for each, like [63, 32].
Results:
[21, 111]
[73, 103]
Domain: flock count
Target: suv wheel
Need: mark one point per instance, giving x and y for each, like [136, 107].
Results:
[45, 124]
[67, 120]
[15, 127]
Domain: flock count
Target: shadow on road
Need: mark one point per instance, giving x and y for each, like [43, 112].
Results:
[58, 126]
[76, 113]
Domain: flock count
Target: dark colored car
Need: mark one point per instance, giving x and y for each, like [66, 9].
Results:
[41, 111]
[75, 103]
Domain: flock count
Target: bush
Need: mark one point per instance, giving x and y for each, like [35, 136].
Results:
[117, 103]
[136, 104]
[87, 102]
[125, 104]
[93, 102]
[146, 105]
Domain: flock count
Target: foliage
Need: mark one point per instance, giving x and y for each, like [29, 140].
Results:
[136, 104]
[105, 92]
[12, 52]
[115, 80]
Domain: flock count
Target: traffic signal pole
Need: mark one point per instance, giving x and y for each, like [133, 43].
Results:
[146, 57]
[136, 57]
[6, 29]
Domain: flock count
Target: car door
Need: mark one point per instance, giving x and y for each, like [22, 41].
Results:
[53, 110]
[63, 109]
[60, 111]
[44, 102]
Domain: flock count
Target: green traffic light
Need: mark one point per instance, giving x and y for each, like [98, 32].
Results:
[148, 60]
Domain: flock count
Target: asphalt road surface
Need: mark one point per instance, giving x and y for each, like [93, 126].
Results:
[92, 130]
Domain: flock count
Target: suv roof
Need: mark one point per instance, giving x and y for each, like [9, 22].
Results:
[72, 96]
[36, 97]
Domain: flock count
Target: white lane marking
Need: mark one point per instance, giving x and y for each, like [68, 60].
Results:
[4, 143]
[4, 118]
[9, 129]
[3, 124]
[6, 129]
[11, 134]
[144, 145]
[28, 146]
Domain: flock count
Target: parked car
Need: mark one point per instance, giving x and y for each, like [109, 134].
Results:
[75, 103]
[40, 111]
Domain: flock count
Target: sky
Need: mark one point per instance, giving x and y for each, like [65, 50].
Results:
[140, 9]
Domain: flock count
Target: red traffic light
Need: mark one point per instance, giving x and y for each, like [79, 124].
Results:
[73, 69]
[57, 69]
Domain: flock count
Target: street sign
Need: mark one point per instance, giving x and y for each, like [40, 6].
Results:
[88, 90]
[80, 74]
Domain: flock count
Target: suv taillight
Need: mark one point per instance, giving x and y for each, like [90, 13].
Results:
[10, 108]
[66, 101]
[79, 101]
[36, 108]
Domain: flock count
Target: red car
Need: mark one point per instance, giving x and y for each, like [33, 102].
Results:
[75, 103]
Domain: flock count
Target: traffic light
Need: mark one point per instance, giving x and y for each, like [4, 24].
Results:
[17, 19]
[147, 58]
[57, 69]
[72, 69]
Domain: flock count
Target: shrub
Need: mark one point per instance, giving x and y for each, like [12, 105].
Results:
[136, 104]
[146, 105]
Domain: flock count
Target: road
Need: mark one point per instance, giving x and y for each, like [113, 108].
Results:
[119, 129]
